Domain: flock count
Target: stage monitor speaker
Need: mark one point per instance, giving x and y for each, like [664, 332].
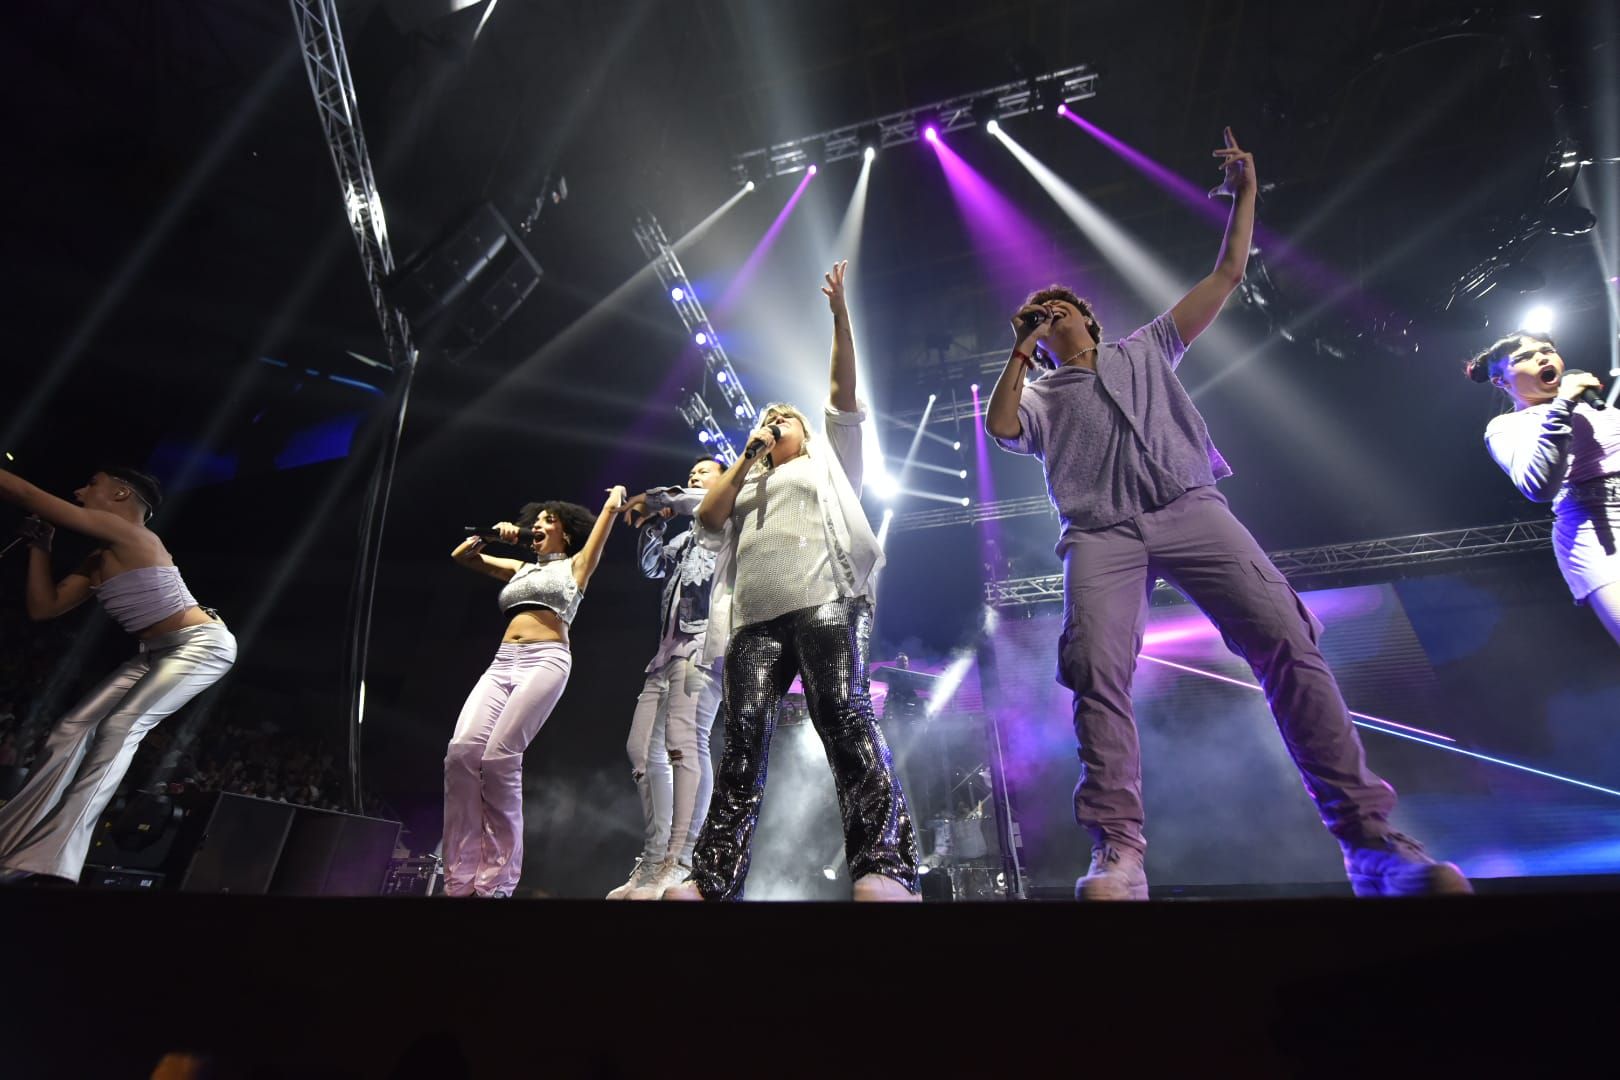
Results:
[333, 854]
[230, 843]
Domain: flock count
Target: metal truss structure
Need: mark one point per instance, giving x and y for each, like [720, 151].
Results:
[971, 514]
[695, 411]
[320, 39]
[1301, 564]
[1002, 102]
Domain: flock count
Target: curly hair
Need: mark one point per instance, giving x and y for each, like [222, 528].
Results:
[1488, 364]
[1064, 293]
[577, 521]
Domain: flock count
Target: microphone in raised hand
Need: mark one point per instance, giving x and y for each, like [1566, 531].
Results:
[1588, 394]
[756, 445]
[524, 536]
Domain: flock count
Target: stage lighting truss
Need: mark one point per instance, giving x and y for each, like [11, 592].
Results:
[998, 102]
[695, 411]
[656, 247]
[1303, 564]
[320, 39]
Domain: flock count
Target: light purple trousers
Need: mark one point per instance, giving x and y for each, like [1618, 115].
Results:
[1196, 545]
[483, 768]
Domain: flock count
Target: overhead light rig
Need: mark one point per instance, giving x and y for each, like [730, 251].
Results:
[1041, 93]
[695, 411]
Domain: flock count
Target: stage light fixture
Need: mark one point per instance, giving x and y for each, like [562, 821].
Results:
[962, 473]
[811, 170]
[719, 376]
[1062, 109]
[931, 133]
[974, 389]
[870, 138]
[956, 445]
[883, 485]
[1539, 319]
[931, 398]
[701, 338]
[869, 154]
[984, 110]
[703, 437]
[748, 186]
[677, 294]
[993, 128]
[964, 500]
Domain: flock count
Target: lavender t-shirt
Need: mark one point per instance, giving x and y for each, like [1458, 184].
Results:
[1120, 440]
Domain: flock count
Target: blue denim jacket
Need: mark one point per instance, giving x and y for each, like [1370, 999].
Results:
[686, 566]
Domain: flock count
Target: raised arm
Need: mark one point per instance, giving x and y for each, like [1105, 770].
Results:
[46, 598]
[1031, 325]
[587, 557]
[59, 512]
[717, 502]
[470, 553]
[841, 384]
[1194, 312]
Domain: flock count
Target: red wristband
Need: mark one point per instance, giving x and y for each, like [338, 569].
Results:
[1023, 358]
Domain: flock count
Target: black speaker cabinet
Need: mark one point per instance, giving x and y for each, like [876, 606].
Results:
[333, 854]
[230, 843]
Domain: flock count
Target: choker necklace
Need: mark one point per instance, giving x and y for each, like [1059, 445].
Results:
[550, 556]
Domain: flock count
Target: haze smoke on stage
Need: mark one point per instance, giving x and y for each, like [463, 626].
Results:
[750, 267]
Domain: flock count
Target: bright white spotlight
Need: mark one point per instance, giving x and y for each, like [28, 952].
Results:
[677, 294]
[964, 500]
[1062, 110]
[742, 412]
[704, 437]
[701, 338]
[956, 445]
[883, 485]
[719, 376]
[962, 473]
[748, 186]
[870, 154]
[829, 873]
[992, 127]
[812, 170]
[923, 869]
[1539, 319]
[974, 389]
[931, 398]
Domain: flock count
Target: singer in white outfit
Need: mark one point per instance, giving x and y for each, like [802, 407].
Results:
[1558, 448]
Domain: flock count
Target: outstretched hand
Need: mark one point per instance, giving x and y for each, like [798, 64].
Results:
[833, 290]
[1238, 164]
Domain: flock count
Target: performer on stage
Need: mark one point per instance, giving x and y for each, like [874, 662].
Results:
[182, 650]
[483, 767]
[669, 733]
[1131, 471]
[1557, 448]
[794, 582]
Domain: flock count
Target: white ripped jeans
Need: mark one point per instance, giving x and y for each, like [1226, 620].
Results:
[669, 756]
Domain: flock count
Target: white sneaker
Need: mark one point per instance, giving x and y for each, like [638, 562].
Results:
[640, 874]
[665, 874]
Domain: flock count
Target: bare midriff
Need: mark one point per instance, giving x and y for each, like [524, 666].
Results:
[535, 625]
[192, 616]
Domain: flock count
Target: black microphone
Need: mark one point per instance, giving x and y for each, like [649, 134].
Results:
[524, 536]
[756, 445]
[1590, 396]
[1028, 321]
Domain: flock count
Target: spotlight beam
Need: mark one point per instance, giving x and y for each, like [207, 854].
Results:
[927, 467]
[757, 256]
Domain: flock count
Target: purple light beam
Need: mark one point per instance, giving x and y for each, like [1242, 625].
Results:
[761, 249]
[997, 227]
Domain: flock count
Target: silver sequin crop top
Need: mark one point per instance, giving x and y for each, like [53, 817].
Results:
[547, 585]
[145, 596]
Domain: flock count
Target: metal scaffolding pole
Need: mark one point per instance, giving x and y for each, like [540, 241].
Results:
[320, 39]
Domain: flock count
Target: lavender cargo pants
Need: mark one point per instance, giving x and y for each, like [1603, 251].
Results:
[1196, 545]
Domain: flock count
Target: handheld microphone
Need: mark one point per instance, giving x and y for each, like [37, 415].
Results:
[524, 536]
[1589, 396]
[1028, 321]
[756, 445]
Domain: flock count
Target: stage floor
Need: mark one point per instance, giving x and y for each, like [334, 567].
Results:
[102, 983]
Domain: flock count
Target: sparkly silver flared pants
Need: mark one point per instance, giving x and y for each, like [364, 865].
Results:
[827, 647]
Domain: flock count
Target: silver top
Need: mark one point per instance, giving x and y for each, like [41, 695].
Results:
[547, 584]
[783, 563]
[144, 596]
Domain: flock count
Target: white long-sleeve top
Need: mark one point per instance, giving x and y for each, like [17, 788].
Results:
[1545, 447]
[855, 556]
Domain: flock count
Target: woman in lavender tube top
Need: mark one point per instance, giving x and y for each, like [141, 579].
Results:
[1557, 448]
[483, 767]
[184, 649]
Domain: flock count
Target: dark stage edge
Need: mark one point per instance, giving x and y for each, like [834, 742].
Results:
[99, 984]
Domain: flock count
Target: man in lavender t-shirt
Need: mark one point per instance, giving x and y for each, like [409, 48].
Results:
[1131, 470]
